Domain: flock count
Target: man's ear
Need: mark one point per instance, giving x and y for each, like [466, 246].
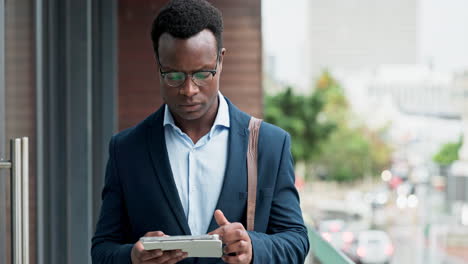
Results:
[156, 60]
[221, 58]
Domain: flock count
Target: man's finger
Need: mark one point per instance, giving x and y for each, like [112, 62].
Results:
[151, 254]
[170, 255]
[235, 259]
[217, 231]
[220, 218]
[237, 248]
[177, 259]
[154, 234]
[231, 236]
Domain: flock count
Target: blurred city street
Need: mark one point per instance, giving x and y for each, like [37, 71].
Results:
[405, 83]
[420, 234]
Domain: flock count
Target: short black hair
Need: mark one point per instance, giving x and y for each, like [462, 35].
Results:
[185, 18]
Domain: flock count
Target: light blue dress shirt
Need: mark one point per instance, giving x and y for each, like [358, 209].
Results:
[199, 168]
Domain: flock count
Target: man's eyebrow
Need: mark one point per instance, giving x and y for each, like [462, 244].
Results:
[167, 68]
[203, 68]
[209, 68]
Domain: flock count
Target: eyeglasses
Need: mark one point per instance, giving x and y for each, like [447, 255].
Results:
[199, 78]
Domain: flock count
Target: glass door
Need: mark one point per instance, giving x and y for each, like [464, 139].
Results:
[17, 109]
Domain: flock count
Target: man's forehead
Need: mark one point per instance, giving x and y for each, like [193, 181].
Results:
[204, 40]
[194, 53]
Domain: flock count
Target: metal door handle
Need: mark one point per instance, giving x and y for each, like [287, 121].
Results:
[19, 166]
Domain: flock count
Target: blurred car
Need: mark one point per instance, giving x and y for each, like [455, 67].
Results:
[379, 197]
[406, 195]
[406, 188]
[420, 174]
[334, 232]
[371, 246]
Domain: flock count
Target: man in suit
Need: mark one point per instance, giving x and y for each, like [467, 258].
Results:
[182, 171]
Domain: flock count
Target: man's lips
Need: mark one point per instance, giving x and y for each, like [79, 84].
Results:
[190, 107]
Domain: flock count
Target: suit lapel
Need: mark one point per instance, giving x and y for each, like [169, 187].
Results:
[232, 197]
[158, 152]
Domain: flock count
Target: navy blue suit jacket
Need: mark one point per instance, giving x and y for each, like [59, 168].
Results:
[140, 193]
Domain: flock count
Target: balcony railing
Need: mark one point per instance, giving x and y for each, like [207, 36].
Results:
[323, 251]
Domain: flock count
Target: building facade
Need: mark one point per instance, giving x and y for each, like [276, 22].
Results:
[361, 34]
[72, 73]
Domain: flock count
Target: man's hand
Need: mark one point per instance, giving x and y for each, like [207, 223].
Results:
[238, 247]
[139, 255]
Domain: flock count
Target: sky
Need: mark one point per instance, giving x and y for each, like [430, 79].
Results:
[443, 39]
[284, 34]
[444, 34]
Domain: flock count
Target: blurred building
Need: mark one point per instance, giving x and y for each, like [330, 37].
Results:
[457, 182]
[72, 73]
[416, 90]
[418, 106]
[361, 34]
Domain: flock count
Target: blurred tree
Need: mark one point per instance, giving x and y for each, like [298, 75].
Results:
[352, 151]
[327, 138]
[448, 153]
[299, 115]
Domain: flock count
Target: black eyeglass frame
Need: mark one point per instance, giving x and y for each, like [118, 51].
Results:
[164, 73]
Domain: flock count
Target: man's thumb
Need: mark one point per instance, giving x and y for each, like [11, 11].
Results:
[220, 218]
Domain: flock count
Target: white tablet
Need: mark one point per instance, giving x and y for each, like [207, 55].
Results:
[204, 246]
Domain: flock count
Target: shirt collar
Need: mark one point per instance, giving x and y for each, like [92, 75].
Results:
[222, 117]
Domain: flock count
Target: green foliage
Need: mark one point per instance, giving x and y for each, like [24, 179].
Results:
[342, 154]
[351, 153]
[448, 153]
[322, 135]
[298, 115]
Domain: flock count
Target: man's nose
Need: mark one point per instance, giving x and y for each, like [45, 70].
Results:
[189, 88]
